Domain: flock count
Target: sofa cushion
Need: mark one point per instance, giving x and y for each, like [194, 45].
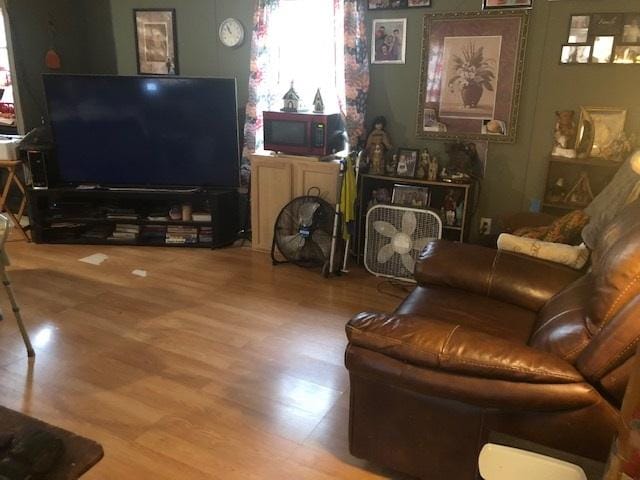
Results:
[470, 310]
[448, 346]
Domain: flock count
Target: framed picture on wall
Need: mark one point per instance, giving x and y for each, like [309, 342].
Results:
[389, 41]
[489, 4]
[394, 4]
[156, 41]
[472, 66]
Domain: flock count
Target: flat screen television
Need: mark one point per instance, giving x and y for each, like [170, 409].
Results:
[144, 131]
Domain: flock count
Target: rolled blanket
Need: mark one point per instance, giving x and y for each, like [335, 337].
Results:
[574, 257]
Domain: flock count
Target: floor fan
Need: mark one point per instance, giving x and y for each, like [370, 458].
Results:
[395, 236]
[304, 233]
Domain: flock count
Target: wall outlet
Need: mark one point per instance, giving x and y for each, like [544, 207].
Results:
[485, 226]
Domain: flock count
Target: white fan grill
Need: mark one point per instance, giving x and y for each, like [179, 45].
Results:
[395, 236]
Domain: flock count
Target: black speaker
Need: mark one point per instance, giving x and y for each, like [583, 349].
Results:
[38, 160]
[36, 152]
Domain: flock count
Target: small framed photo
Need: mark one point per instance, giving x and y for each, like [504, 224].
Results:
[389, 41]
[407, 161]
[604, 24]
[607, 125]
[579, 29]
[394, 4]
[410, 196]
[575, 54]
[602, 51]
[156, 41]
[489, 4]
[627, 54]
[631, 28]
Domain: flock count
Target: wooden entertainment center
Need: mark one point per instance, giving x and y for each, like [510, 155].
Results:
[81, 216]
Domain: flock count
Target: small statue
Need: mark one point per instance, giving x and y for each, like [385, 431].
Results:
[558, 191]
[318, 103]
[377, 160]
[378, 137]
[402, 168]
[564, 136]
[432, 171]
[291, 100]
[423, 166]
[450, 205]
[391, 166]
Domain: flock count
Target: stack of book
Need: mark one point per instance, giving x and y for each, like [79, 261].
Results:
[180, 234]
[201, 217]
[125, 232]
[121, 214]
[158, 217]
[205, 235]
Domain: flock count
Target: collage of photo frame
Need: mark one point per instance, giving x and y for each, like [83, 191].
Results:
[396, 4]
[602, 38]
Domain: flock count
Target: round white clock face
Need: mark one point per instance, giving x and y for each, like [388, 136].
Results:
[231, 32]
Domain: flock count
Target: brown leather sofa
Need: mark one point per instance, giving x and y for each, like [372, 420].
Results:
[496, 342]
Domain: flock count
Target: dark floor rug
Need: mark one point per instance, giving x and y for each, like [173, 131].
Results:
[31, 447]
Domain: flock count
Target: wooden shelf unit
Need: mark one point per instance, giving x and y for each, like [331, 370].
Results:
[85, 210]
[599, 171]
[368, 183]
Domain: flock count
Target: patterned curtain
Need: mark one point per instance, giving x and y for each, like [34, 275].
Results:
[356, 61]
[263, 93]
[351, 76]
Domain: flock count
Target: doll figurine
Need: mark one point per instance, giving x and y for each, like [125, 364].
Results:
[432, 170]
[423, 166]
[377, 160]
[378, 138]
[391, 166]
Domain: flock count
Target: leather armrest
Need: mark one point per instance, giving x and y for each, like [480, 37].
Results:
[524, 281]
[449, 347]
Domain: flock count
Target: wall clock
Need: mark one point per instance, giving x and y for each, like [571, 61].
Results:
[231, 33]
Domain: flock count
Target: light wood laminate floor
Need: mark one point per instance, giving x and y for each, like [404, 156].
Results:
[217, 365]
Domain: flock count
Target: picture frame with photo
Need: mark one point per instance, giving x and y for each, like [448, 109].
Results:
[495, 4]
[411, 196]
[407, 162]
[602, 50]
[607, 125]
[631, 28]
[606, 24]
[627, 54]
[579, 29]
[489, 43]
[575, 54]
[389, 41]
[397, 4]
[156, 41]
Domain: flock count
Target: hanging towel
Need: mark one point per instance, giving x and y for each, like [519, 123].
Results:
[348, 198]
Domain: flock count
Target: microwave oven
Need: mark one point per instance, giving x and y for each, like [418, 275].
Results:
[300, 133]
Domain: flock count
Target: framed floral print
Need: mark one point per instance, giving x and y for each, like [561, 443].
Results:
[156, 41]
[472, 66]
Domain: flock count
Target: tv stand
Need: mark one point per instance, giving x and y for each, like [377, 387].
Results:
[152, 189]
[124, 216]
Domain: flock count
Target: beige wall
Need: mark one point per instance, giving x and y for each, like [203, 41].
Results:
[515, 173]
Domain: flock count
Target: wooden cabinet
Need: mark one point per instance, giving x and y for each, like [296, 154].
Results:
[278, 179]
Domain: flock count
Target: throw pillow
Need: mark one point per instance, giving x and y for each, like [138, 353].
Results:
[565, 229]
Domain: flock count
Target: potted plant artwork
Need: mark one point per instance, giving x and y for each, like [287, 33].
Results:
[473, 74]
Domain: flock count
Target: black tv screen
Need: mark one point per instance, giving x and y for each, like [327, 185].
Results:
[144, 131]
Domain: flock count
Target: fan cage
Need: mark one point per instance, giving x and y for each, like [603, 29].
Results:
[428, 224]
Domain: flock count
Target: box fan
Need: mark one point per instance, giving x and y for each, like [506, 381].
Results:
[395, 236]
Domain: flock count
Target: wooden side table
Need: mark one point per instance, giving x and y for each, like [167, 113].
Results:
[12, 179]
